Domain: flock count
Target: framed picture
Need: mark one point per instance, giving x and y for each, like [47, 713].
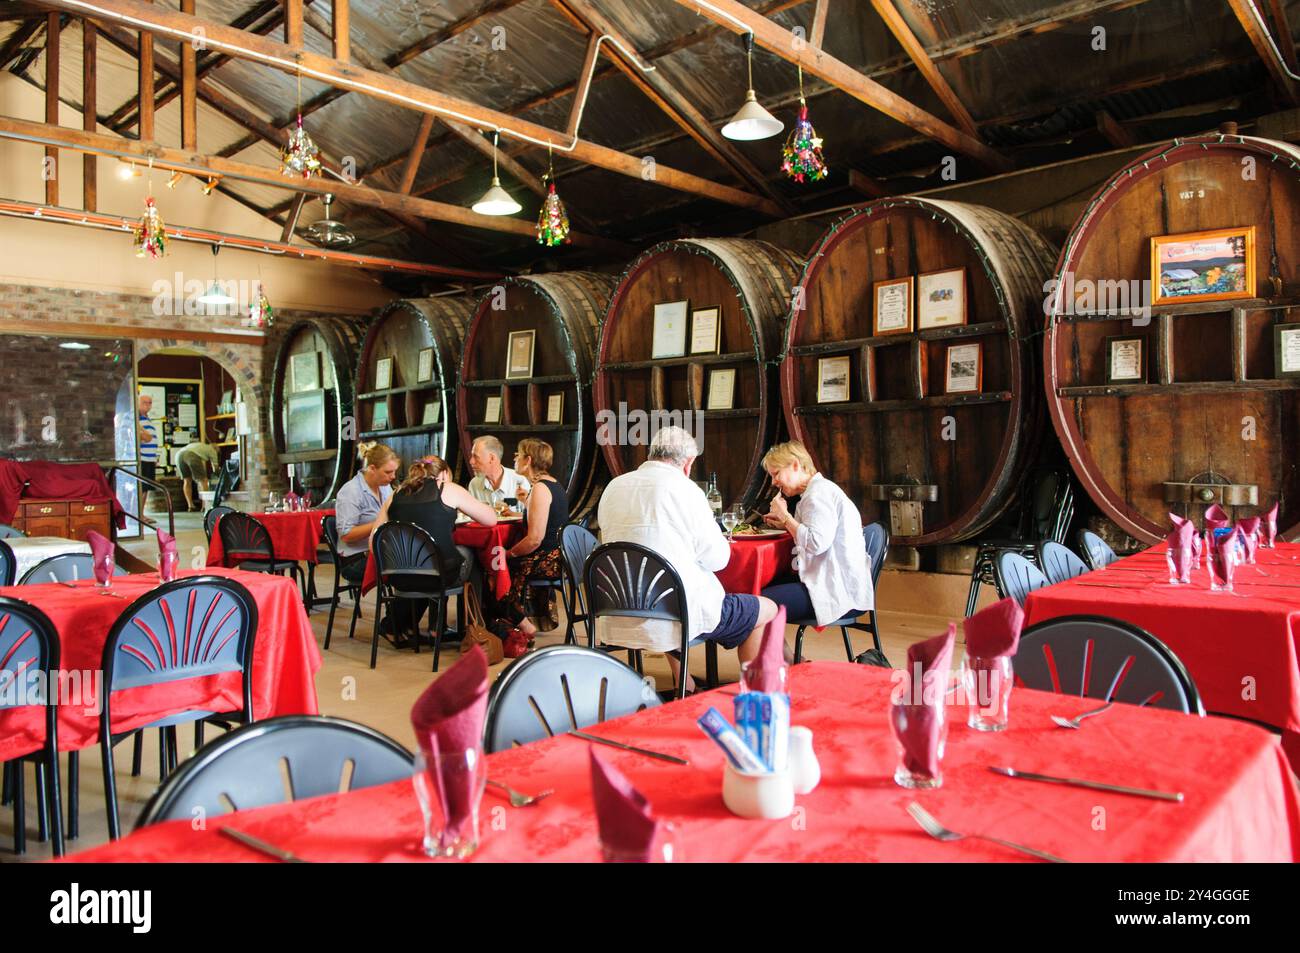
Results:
[964, 371]
[669, 338]
[833, 379]
[227, 405]
[892, 311]
[1286, 350]
[432, 411]
[519, 355]
[230, 435]
[424, 370]
[306, 371]
[1203, 266]
[706, 331]
[384, 373]
[722, 389]
[1126, 360]
[492, 411]
[555, 409]
[941, 299]
[379, 416]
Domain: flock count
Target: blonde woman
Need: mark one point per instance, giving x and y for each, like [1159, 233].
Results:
[357, 506]
[831, 569]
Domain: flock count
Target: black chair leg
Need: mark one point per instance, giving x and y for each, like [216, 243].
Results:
[848, 643]
[20, 807]
[74, 794]
[110, 788]
[711, 664]
[51, 768]
[798, 644]
[356, 612]
[198, 735]
[171, 749]
[437, 622]
[329, 624]
[374, 636]
[7, 795]
[137, 754]
[874, 629]
[162, 755]
[42, 806]
[976, 580]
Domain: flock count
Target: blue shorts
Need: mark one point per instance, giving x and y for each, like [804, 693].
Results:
[739, 616]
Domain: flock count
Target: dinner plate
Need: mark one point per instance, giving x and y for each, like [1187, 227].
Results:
[765, 534]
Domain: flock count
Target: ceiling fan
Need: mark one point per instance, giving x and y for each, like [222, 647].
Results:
[327, 231]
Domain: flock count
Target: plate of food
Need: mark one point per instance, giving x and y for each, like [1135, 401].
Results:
[752, 531]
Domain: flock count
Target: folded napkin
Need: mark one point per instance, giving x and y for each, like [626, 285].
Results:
[1178, 521]
[1223, 555]
[994, 631]
[929, 661]
[1216, 518]
[1269, 526]
[448, 721]
[627, 824]
[918, 725]
[168, 560]
[1249, 530]
[767, 672]
[1179, 554]
[102, 558]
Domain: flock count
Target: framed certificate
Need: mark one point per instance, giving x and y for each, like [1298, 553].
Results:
[555, 409]
[1126, 360]
[424, 372]
[432, 411]
[722, 389]
[379, 416]
[669, 338]
[893, 306]
[306, 371]
[833, 379]
[706, 331]
[1286, 350]
[384, 373]
[941, 299]
[964, 370]
[519, 355]
[492, 411]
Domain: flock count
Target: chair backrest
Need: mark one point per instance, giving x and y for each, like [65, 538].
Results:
[577, 543]
[557, 689]
[274, 761]
[329, 526]
[243, 537]
[210, 519]
[29, 644]
[1048, 505]
[8, 564]
[1058, 563]
[1099, 657]
[65, 567]
[8, 532]
[627, 579]
[1095, 550]
[405, 556]
[876, 536]
[227, 482]
[1016, 576]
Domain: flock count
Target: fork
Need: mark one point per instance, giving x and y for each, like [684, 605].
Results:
[939, 832]
[520, 800]
[1074, 722]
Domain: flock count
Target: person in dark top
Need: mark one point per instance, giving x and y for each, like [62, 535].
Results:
[538, 554]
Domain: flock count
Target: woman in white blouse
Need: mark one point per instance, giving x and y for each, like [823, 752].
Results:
[832, 570]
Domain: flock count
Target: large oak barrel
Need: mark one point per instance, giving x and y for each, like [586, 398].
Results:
[1193, 408]
[937, 459]
[422, 338]
[312, 401]
[551, 377]
[749, 283]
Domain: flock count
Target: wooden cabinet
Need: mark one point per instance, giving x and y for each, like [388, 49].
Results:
[69, 519]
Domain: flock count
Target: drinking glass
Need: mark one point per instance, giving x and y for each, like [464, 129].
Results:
[272, 502]
[1221, 561]
[168, 563]
[988, 683]
[729, 521]
[450, 787]
[665, 848]
[918, 729]
[745, 686]
[104, 566]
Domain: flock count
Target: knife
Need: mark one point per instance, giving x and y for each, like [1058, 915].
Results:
[1095, 785]
[619, 744]
[248, 840]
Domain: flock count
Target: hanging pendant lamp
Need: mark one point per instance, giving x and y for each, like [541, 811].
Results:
[496, 200]
[751, 121]
[215, 295]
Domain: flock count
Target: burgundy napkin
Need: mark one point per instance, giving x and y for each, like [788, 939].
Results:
[931, 660]
[766, 672]
[1196, 539]
[448, 721]
[995, 631]
[101, 554]
[1249, 530]
[1216, 518]
[627, 824]
[918, 721]
[1269, 526]
[168, 559]
[1223, 557]
[1180, 549]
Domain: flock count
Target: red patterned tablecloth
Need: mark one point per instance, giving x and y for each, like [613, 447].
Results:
[285, 661]
[1241, 802]
[294, 536]
[755, 563]
[490, 543]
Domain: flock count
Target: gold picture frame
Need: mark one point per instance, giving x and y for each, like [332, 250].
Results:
[519, 355]
[892, 307]
[492, 410]
[722, 389]
[706, 331]
[963, 371]
[1184, 266]
[424, 366]
[941, 299]
[384, 373]
[555, 408]
[834, 379]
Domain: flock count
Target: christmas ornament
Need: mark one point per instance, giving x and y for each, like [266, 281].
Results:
[300, 156]
[553, 220]
[149, 234]
[260, 313]
[802, 154]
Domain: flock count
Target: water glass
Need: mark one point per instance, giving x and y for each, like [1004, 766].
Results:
[450, 788]
[1221, 561]
[729, 521]
[745, 686]
[272, 502]
[665, 848]
[988, 684]
[104, 568]
[919, 731]
[168, 563]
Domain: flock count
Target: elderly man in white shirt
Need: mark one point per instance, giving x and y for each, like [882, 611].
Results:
[660, 507]
[830, 555]
[493, 482]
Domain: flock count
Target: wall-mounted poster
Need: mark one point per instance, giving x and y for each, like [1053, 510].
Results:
[492, 411]
[965, 369]
[1126, 360]
[384, 373]
[941, 299]
[306, 371]
[1286, 350]
[424, 372]
[706, 331]
[833, 379]
[1203, 266]
[519, 355]
[892, 311]
[555, 409]
[669, 338]
[722, 389]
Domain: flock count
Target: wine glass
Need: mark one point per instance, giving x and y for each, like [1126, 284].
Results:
[272, 502]
[729, 520]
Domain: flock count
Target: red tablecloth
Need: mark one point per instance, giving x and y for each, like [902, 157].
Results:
[1241, 803]
[294, 536]
[285, 661]
[755, 563]
[1242, 648]
[489, 542]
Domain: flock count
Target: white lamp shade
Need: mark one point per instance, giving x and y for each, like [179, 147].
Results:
[752, 121]
[215, 295]
[496, 201]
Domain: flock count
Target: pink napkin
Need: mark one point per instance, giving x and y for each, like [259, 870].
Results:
[448, 721]
[168, 560]
[627, 825]
[767, 672]
[1216, 518]
[919, 726]
[994, 631]
[1269, 526]
[1178, 521]
[930, 661]
[1223, 557]
[101, 554]
[1179, 553]
[1249, 530]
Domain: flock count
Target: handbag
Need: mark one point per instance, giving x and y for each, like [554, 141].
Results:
[477, 632]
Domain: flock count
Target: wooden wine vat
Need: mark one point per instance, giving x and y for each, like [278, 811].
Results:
[934, 458]
[548, 393]
[1193, 406]
[750, 284]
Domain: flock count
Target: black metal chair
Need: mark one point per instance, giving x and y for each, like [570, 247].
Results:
[8, 564]
[1017, 577]
[8, 532]
[276, 761]
[330, 530]
[1046, 508]
[1108, 659]
[876, 538]
[185, 629]
[409, 566]
[246, 544]
[557, 689]
[1059, 564]
[65, 567]
[210, 519]
[29, 667]
[227, 482]
[627, 579]
[1096, 551]
[577, 543]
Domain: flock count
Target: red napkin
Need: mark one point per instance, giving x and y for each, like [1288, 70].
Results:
[168, 560]
[995, 631]
[1196, 539]
[627, 825]
[1180, 550]
[448, 721]
[1223, 557]
[930, 660]
[1216, 518]
[101, 554]
[918, 721]
[1269, 526]
[1249, 530]
[767, 672]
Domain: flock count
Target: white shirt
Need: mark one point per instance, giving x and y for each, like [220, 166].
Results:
[659, 507]
[483, 491]
[830, 554]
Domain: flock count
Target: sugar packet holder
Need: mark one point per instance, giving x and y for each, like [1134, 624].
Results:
[763, 721]
[739, 754]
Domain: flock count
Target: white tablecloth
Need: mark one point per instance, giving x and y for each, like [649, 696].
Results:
[29, 550]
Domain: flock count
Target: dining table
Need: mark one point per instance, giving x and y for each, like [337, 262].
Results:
[284, 665]
[489, 543]
[755, 562]
[30, 550]
[1241, 648]
[1240, 802]
[295, 535]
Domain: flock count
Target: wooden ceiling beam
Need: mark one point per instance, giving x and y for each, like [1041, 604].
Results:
[89, 97]
[144, 73]
[53, 34]
[1282, 29]
[1252, 21]
[817, 30]
[916, 52]
[14, 45]
[189, 99]
[341, 30]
